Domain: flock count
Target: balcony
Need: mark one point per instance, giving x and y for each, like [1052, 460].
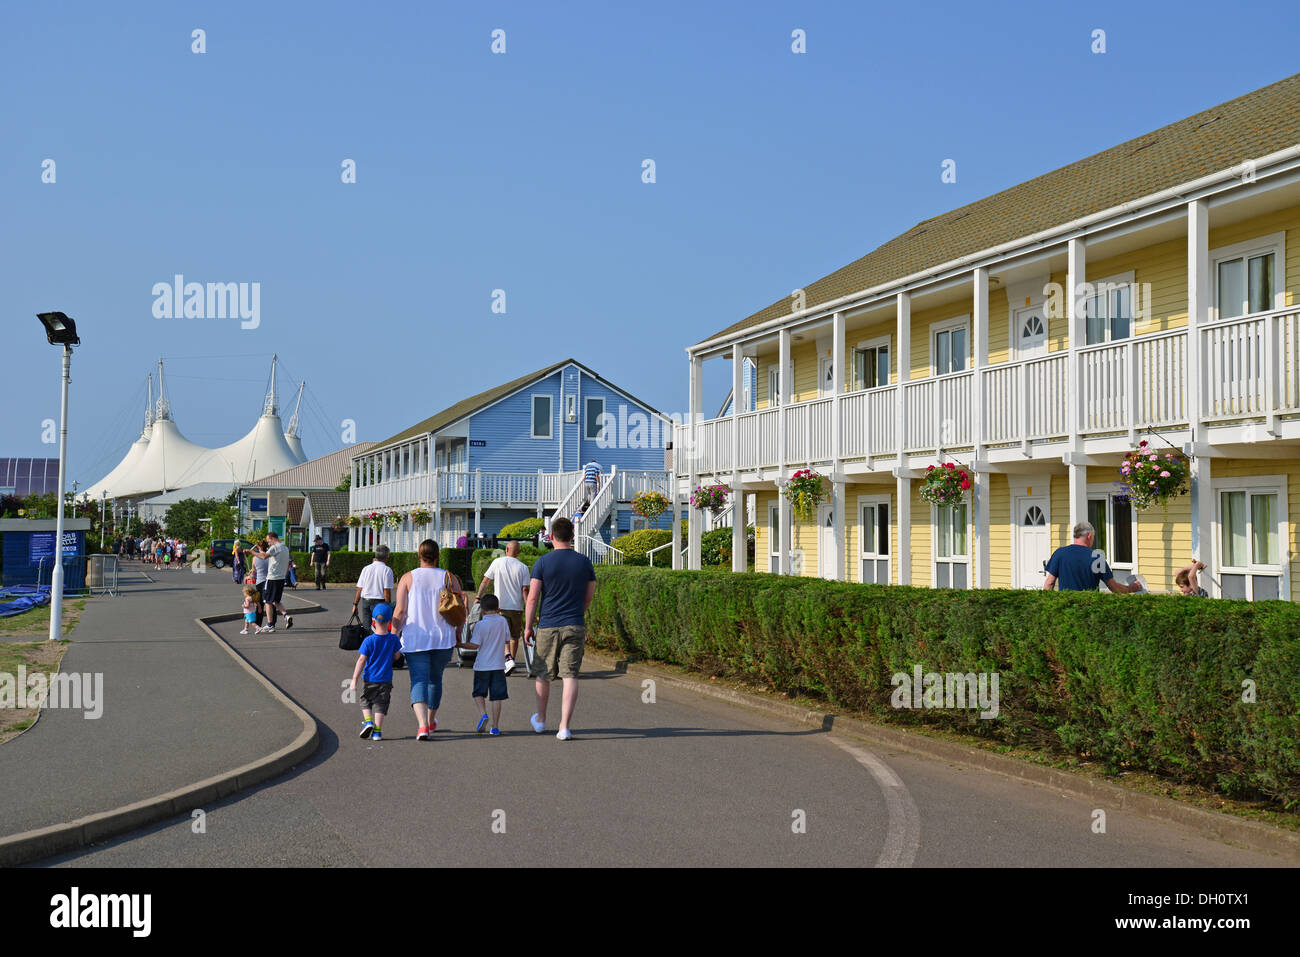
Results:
[466, 489]
[1250, 369]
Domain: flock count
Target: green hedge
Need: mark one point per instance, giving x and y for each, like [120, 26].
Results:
[524, 529]
[483, 558]
[635, 545]
[346, 566]
[1147, 682]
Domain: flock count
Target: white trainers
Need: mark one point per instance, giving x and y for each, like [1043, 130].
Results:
[510, 665]
[538, 726]
[564, 734]
[244, 632]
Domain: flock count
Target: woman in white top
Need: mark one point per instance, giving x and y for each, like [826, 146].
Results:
[428, 639]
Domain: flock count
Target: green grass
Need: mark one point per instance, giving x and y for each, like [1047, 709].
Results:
[37, 621]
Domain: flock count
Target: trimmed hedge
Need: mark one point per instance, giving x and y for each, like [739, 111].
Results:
[346, 566]
[635, 545]
[1149, 682]
[483, 558]
[524, 529]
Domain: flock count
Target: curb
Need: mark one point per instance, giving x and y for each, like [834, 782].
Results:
[29, 846]
[1210, 824]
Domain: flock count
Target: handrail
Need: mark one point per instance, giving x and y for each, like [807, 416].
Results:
[598, 551]
[650, 554]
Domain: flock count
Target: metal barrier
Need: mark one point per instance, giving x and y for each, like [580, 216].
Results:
[101, 574]
[74, 574]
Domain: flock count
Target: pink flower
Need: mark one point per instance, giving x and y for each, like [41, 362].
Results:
[1164, 475]
[1152, 482]
[1155, 458]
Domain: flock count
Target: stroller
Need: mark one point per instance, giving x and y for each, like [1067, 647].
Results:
[465, 656]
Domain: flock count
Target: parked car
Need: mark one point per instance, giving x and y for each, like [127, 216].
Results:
[222, 551]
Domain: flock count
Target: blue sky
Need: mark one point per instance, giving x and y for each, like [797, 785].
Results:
[519, 172]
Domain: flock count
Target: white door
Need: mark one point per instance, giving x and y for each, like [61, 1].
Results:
[774, 539]
[825, 376]
[1031, 332]
[873, 541]
[1033, 542]
[826, 551]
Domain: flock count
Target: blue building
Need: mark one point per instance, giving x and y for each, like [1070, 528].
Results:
[512, 452]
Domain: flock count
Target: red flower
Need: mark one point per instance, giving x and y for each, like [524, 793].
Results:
[964, 484]
[949, 465]
[929, 468]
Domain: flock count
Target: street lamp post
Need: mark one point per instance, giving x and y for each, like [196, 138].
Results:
[103, 507]
[60, 330]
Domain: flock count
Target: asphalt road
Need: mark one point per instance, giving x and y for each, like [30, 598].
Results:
[686, 780]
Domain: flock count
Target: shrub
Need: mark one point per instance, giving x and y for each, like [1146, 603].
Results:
[483, 558]
[1154, 683]
[715, 546]
[525, 528]
[634, 545]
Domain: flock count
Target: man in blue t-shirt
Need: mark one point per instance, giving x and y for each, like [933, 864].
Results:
[1080, 567]
[562, 587]
[375, 665]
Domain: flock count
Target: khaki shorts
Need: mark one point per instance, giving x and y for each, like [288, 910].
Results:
[559, 651]
[515, 619]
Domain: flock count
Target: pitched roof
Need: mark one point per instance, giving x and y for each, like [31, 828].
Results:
[294, 507]
[453, 413]
[326, 505]
[1251, 126]
[322, 473]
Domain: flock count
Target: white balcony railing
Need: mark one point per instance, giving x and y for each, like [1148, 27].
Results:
[1250, 368]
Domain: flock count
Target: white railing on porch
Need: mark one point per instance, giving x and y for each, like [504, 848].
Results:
[1250, 369]
[599, 552]
[464, 489]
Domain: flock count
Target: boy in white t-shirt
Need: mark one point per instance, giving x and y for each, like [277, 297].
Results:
[490, 637]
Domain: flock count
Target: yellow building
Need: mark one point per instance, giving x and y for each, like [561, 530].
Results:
[1148, 292]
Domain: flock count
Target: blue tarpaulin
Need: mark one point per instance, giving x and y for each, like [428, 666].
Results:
[16, 599]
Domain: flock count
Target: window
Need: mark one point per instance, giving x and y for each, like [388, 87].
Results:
[541, 417]
[1108, 312]
[1113, 517]
[950, 547]
[774, 538]
[1246, 276]
[871, 364]
[950, 346]
[873, 541]
[1250, 543]
[595, 408]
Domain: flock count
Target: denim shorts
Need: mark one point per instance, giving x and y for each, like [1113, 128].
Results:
[425, 669]
[490, 685]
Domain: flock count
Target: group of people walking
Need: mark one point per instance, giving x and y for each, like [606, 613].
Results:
[264, 595]
[545, 608]
[151, 551]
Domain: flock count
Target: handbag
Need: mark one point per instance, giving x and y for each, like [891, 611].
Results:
[452, 605]
[352, 634]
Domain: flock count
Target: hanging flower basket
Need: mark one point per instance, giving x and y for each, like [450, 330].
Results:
[805, 491]
[421, 516]
[375, 520]
[339, 523]
[712, 497]
[946, 485]
[650, 504]
[1152, 478]
[353, 521]
[394, 519]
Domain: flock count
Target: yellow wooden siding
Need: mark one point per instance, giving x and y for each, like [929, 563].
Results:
[1059, 497]
[999, 326]
[1000, 531]
[1281, 220]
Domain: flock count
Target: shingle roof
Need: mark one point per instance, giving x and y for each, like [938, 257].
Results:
[322, 473]
[327, 505]
[1251, 126]
[440, 420]
[294, 507]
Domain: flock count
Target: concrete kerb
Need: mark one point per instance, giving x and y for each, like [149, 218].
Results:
[1211, 824]
[45, 842]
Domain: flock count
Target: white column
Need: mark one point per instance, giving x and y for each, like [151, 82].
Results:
[1198, 305]
[478, 501]
[903, 516]
[437, 506]
[982, 479]
[696, 405]
[1078, 486]
[784, 389]
[837, 483]
[738, 550]
[903, 335]
[1202, 517]
[676, 515]
[1077, 272]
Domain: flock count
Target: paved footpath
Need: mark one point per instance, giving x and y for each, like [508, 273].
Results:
[176, 707]
[686, 780]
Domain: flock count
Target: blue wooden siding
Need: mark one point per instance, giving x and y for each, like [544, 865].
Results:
[506, 431]
[633, 423]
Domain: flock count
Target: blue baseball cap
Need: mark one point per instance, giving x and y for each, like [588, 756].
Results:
[382, 612]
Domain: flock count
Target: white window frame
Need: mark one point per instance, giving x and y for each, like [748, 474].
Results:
[1275, 484]
[1127, 279]
[876, 343]
[774, 538]
[964, 559]
[586, 413]
[877, 501]
[949, 325]
[1273, 243]
[1108, 493]
[532, 415]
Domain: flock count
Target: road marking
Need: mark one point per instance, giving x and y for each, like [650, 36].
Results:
[903, 832]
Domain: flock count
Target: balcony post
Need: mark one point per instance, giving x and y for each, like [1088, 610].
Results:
[1198, 306]
[782, 400]
[676, 517]
[904, 359]
[1076, 277]
[696, 404]
[738, 550]
[981, 479]
[437, 506]
[903, 516]
[837, 483]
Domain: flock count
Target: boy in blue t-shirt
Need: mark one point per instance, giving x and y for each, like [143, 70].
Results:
[375, 663]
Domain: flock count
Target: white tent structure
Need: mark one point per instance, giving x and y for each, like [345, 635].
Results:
[113, 480]
[165, 459]
[291, 433]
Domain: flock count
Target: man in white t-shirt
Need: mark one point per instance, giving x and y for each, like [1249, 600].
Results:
[375, 585]
[277, 567]
[507, 577]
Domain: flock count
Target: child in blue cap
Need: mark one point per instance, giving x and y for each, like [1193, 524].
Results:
[375, 664]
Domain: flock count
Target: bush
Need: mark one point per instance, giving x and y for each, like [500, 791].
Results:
[346, 566]
[635, 545]
[1154, 683]
[483, 557]
[715, 547]
[524, 529]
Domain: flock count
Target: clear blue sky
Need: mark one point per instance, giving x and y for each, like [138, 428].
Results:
[520, 172]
